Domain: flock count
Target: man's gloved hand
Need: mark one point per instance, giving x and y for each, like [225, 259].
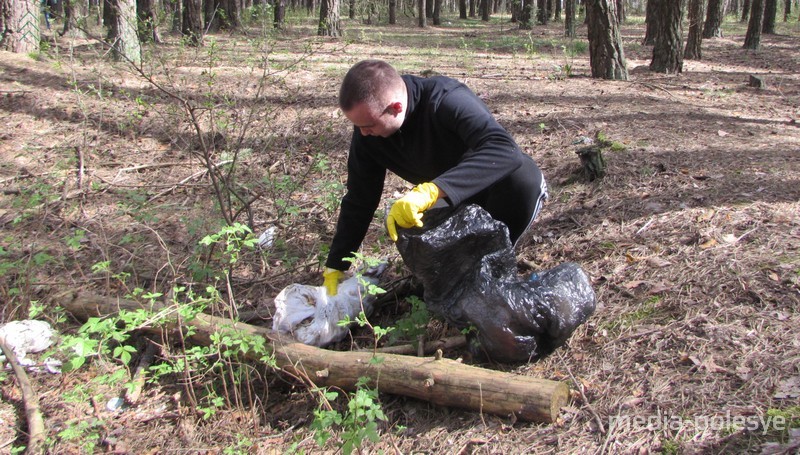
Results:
[332, 278]
[407, 211]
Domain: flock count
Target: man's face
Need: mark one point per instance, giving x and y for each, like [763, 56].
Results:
[371, 122]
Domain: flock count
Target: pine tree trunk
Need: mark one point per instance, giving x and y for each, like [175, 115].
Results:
[485, 9]
[69, 16]
[122, 35]
[787, 10]
[177, 15]
[569, 18]
[770, 13]
[233, 17]
[746, 10]
[541, 11]
[329, 22]
[423, 22]
[526, 15]
[606, 55]
[712, 27]
[148, 29]
[211, 15]
[19, 26]
[668, 49]
[752, 39]
[695, 38]
[437, 8]
[651, 23]
[462, 9]
[279, 15]
[393, 12]
[192, 23]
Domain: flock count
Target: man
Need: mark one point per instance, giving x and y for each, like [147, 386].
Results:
[435, 133]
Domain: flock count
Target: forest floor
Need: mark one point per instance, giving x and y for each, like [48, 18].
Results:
[692, 238]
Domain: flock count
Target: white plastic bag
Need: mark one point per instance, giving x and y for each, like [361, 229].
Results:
[24, 337]
[312, 317]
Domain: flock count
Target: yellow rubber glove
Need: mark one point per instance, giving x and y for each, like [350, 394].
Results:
[332, 278]
[407, 211]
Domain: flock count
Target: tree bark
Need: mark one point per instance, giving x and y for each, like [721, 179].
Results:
[393, 12]
[423, 22]
[148, 28]
[279, 15]
[462, 9]
[526, 15]
[192, 23]
[606, 56]
[211, 15]
[329, 22]
[122, 35]
[787, 10]
[770, 13]
[438, 380]
[651, 23]
[714, 15]
[177, 15]
[695, 38]
[746, 10]
[19, 26]
[541, 11]
[752, 39]
[437, 9]
[233, 14]
[668, 49]
[569, 18]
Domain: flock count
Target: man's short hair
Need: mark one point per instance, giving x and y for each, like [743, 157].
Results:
[368, 81]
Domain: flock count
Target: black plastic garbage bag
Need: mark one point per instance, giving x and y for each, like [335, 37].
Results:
[466, 264]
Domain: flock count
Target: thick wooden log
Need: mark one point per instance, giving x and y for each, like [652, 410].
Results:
[438, 380]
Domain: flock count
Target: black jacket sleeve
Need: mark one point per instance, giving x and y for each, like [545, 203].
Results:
[365, 180]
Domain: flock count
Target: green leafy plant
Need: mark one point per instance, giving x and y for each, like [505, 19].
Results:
[357, 424]
[412, 324]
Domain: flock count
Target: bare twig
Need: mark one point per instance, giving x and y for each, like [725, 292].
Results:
[191, 177]
[139, 167]
[427, 348]
[36, 433]
[81, 169]
[583, 396]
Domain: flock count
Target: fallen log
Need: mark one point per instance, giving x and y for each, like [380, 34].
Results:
[435, 379]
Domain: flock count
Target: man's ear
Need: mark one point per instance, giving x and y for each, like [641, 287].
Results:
[396, 108]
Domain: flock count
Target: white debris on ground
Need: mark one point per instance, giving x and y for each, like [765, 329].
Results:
[29, 337]
[312, 317]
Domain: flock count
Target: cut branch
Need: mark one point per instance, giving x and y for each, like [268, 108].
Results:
[437, 380]
[36, 433]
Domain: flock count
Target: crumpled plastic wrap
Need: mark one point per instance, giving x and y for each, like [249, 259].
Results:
[26, 337]
[312, 317]
[467, 266]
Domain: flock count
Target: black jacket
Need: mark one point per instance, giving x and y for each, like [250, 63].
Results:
[448, 137]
